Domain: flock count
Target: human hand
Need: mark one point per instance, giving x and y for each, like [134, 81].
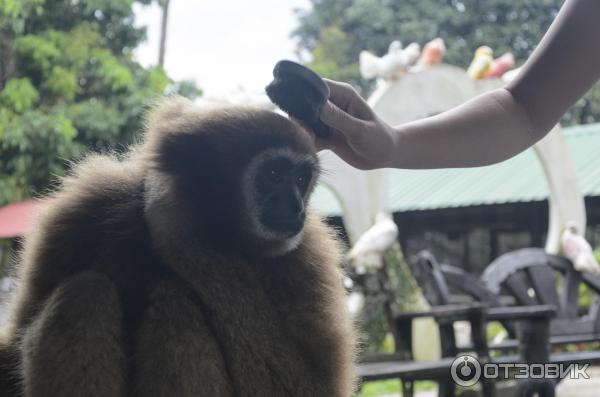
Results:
[359, 137]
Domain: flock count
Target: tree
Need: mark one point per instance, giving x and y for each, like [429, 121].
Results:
[68, 83]
[335, 31]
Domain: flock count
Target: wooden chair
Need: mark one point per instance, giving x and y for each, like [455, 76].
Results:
[528, 278]
[401, 365]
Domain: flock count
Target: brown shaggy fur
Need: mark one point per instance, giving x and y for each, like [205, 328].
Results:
[139, 282]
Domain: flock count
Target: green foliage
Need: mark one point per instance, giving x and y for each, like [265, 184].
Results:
[391, 387]
[587, 295]
[37, 54]
[35, 145]
[10, 8]
[403, 295]
[494, 329]
[333, 44]
[157, 79]
[380, 388]
[587, 109]
[186, 88]
[61, 83]
[114, 75]
[19, 95]
[68, 83]
[13, 12]
[407, 295]
[335, 31]
[465, 25]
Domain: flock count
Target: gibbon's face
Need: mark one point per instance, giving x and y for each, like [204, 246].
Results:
[244, 176]
[278, 182]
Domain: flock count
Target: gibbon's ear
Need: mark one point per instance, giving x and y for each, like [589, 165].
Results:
[174, 138]
[190, 156]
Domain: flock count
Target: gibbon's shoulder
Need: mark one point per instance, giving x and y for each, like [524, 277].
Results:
[321, 247]
[99, 202]
[100, 188]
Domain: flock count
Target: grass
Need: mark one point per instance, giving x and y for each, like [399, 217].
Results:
[391, 386]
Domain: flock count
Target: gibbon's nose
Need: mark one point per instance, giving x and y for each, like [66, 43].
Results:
[297, 209]
[285, 214]
[291, 224]
[301, 216]
[296, 204]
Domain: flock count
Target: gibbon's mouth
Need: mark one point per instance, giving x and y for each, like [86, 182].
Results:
[286, 227]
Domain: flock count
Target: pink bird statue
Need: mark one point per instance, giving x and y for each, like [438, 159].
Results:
[433, 52]
[501, 65]
[578, 250]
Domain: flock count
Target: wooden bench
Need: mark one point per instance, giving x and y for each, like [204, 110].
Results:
[401, 365]
[528, 277]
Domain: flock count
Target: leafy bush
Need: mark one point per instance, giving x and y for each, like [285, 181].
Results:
[68, 83]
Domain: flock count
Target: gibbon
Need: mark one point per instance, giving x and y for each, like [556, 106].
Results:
[190, 267]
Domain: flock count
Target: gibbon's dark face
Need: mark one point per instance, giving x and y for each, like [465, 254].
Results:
[281, 185]
[277, 183]
[246, 175]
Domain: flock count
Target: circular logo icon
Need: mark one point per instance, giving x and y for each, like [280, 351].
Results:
[465, 370]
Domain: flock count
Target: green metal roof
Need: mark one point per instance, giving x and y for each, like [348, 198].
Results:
[519, 179]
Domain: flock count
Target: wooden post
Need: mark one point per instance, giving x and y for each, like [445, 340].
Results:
[163, 33]
[534, 343]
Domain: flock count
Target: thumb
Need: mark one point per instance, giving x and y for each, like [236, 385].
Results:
[339, 120]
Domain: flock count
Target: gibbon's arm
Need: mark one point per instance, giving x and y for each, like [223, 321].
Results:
[9, 377]
[492, 127]
[74, 346]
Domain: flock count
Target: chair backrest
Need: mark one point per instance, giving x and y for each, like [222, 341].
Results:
[442, 282]
[534, 277]
[428, 273]
[467, 284]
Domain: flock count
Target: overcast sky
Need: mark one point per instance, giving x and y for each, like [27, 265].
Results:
[224, 44]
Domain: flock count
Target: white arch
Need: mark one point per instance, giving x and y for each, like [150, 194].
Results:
[430, 91]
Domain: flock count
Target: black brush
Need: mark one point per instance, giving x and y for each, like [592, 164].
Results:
[301, 93]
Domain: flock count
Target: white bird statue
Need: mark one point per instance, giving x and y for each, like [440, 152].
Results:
[355, 302]
[578, 250]
[6, 285]
[511, 75]
[368, 250]
[392, 65]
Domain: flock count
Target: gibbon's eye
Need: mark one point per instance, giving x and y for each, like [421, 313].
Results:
[303, 179]
[275, 176]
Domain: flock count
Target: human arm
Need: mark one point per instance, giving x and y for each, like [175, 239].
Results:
[489, 128]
